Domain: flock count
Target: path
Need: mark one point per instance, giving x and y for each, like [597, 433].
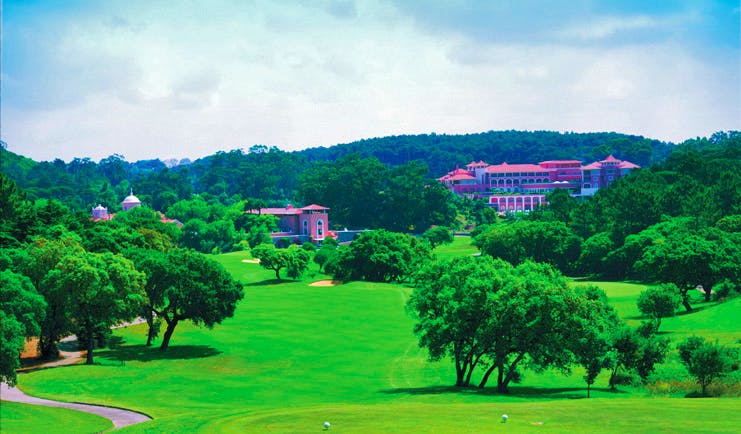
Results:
[118, 416]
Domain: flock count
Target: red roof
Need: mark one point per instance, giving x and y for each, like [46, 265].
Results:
[512, 168]
[610, 159]
[288, 210]
[621, 164]
[314, 207]
[278, 211]
[459, 177]
[561, 161]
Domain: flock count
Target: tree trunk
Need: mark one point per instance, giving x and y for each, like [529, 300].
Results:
[501, 387]
[686, 301]
[89, 346]
[48, 348]
[588, 388]
[277, 273]
[168, 334]
[707, 290]
[151, 332]
[485, 378]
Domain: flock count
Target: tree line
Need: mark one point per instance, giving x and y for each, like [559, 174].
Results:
[61, 274]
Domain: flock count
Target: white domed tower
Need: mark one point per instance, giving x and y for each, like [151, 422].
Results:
[100, 213]
[131, 201]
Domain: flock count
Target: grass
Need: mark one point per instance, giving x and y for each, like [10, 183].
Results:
[296, 355]
[460, 246]
[24, 418]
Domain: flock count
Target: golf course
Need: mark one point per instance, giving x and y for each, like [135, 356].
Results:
[297, 355]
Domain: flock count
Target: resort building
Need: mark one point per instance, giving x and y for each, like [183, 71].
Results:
[522, 187]
[307, 224]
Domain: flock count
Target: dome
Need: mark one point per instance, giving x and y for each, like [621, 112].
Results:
[130, 201]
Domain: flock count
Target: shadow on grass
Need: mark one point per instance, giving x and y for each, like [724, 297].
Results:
[269, 282]
[143, 353]
[515, 391]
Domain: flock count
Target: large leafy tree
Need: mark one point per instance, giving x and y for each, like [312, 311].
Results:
[541, 241]
[351, 187]
[21, 311]
[294, 259]
[684, 260]
[41, 258]
[482, 311]
[101, 289]
[190, 287]
[379, 256]
[593, 328]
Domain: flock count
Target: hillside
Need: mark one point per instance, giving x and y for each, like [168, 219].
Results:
[272, 174]
[442, 151]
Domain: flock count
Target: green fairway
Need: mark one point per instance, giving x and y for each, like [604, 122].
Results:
[25, 418]
[295, 355]
[460, 246]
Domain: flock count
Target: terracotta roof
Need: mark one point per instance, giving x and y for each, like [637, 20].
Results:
[315, 207]
[628, 165]
[560, 161]
[459, 177]
[512, 168]
[610, 159]
[592, 166]
[278, 211]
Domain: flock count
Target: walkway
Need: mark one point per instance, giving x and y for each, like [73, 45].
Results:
[118, 416]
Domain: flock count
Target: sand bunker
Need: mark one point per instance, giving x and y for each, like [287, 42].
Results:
[326, 283]
[251, 261]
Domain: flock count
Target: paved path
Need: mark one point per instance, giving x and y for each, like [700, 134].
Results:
[118, 416]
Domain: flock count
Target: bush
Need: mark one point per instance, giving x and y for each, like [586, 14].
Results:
[723, 289]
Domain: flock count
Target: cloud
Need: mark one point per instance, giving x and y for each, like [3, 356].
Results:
[610, 26]
[186, 81]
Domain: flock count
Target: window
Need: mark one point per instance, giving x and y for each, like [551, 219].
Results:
[319, 229]
[305, 229]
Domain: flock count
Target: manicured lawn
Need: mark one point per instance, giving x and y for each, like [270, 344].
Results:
[460, 246]
[24, 418]
[296, 355]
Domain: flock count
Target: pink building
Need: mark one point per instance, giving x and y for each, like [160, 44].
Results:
[310, 223]
[522, 187]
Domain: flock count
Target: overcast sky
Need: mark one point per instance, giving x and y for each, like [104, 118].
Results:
[175, 79]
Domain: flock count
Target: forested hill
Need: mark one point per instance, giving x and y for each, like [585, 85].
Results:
[273, 175]
[441, 151]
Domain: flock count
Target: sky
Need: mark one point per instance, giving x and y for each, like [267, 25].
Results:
[176, 79]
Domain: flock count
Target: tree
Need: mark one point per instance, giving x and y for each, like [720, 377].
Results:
[21, 311]
[594, 325]
[482, 311]
[42, 256]
[438, 235]
[684, 260]
[706, 361]
[593, 253]
[102, 290]
[637, 352]
[450, 300]
[659, 302]
[379, 256]
[541, 241]
[191, 287]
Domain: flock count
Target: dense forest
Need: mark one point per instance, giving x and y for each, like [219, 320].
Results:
[272, 175]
